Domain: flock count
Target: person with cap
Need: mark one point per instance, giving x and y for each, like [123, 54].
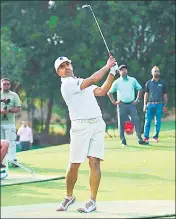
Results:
[125, 87]
[87, 126]
[10, 105]
[155, 101]
[4, 148]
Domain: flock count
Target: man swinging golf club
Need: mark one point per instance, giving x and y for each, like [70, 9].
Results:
[87, 126]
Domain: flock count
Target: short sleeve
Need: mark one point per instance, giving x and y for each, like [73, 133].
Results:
[164, 88]
[17, 101]
[73, 85]
[113, 88]
[146, 87]
[137, 85]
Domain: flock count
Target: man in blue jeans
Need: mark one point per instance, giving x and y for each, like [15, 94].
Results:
[155, 101]
[125, 87]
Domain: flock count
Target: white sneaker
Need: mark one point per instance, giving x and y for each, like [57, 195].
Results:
[65, 204]
[89, 207]
[155, 140]
[124, 145]
[4, 173]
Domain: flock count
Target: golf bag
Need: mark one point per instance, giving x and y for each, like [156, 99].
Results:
[129, 127]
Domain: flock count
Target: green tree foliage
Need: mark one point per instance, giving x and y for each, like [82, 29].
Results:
[140, 34]
[13, 58]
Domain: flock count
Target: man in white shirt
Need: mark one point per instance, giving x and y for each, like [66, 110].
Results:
[87, 126]
[26, 136]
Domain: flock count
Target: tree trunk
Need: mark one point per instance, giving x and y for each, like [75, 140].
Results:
[41, 114]
[48, 118]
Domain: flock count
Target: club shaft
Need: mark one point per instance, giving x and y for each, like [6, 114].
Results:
[100, 30]
[22, 167]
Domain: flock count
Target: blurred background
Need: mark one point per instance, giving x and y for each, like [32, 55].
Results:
[140, 34]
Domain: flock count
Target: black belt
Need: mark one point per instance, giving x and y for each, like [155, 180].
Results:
[127, 103]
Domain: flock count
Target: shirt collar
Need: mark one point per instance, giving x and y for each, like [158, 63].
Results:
[5, 92]
[67, 78]
[155, 81]
[124, 79]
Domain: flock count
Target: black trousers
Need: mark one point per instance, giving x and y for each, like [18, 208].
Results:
[123, 111]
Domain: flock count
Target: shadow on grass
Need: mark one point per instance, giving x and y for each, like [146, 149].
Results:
[39, 170]
[139, 148]
[155, 147]
[48, 170]
[138, 176]
[128, 175]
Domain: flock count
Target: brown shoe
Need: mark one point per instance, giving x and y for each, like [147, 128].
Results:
[90, 206]
[65, 204]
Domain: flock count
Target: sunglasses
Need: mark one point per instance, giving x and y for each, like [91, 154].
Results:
[7, 84]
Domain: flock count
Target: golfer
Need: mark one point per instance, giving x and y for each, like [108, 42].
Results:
[87, 126]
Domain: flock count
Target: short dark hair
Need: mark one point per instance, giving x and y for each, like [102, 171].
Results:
[5, 79]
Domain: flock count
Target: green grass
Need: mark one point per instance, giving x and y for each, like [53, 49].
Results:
[131, 173]
[167, 125]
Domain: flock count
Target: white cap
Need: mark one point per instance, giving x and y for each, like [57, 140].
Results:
[60, 60]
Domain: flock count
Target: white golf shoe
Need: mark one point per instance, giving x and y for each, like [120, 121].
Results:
[90, 206]
[65, 204]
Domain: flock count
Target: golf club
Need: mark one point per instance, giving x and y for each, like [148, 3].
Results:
[88, 6]
[22, 167]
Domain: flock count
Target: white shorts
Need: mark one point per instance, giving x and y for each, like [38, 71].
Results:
[87, 139]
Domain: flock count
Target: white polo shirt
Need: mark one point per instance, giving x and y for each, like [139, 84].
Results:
[82, 104]
[25, 134]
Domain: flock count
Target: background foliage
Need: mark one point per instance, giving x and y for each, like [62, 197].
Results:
[140, 34]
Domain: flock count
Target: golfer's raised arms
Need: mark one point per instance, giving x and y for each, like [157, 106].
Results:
[64, 69]
[97, 76]
[103, 90]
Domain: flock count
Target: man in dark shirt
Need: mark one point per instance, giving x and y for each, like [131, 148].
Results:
[155, 100]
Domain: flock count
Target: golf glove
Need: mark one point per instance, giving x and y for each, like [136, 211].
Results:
[114, 70]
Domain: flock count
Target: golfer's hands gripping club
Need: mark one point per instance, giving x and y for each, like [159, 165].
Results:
[115, 69]
[111, 63]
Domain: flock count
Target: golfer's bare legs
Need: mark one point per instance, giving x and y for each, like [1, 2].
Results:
[4, 149]
[95, 176]
[71, 177]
